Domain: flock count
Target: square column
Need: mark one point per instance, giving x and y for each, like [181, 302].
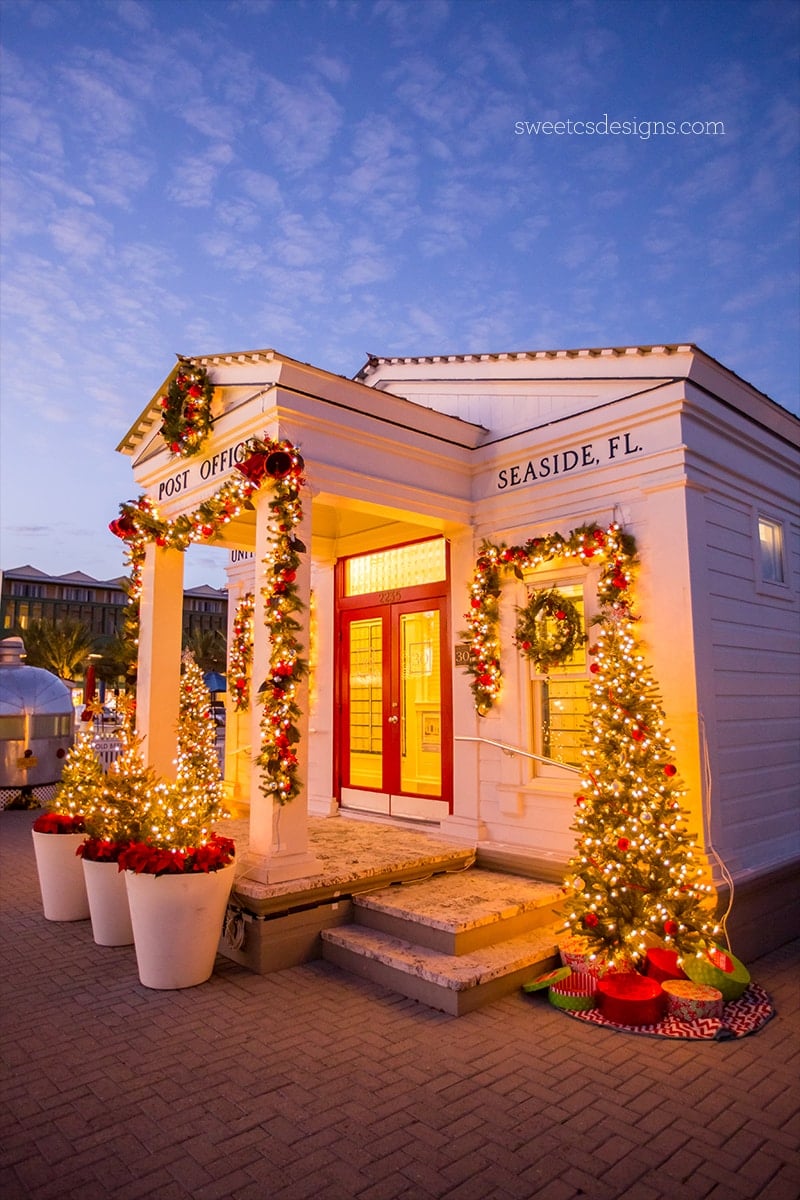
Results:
[159, 669]
[279, 847]
[466, 822]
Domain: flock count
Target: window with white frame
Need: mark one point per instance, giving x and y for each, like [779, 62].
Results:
[560, 699]
[770, 537]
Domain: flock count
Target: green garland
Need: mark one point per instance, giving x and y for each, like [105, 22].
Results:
[186, 409]
[549, 629]
[140, 523]
[281, 713]
[587, 545]
[241, 656]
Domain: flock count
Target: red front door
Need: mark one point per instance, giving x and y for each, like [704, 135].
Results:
[395, 732]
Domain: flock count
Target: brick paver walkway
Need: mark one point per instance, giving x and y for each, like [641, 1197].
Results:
[313, 1085]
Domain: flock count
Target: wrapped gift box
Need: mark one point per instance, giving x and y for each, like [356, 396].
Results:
[577, 955]
[575, 992]
[663, 964]
[546, 981]
[690, 1001]
[631, 999]
[719, 969]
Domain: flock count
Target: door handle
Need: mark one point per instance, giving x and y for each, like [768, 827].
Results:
[393, 720]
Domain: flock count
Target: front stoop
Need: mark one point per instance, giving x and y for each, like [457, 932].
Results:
[454, 942]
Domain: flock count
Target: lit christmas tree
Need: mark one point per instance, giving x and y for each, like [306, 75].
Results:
[181, 814]
[82, 779]
[636, 876]
[122, 803]
[197, 761]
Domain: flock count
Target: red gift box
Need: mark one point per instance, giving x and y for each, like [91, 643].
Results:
[630, 999]
[663, 964]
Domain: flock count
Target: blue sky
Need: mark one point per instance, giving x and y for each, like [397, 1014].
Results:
[337, 177]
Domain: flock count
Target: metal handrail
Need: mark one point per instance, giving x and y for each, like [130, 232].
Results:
[514, 750]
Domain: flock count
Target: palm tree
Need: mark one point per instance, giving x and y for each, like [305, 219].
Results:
[119, 660]
[209, 648]
[62, 647]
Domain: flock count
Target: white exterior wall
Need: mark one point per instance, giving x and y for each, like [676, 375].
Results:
[748, 640]
[645, 490]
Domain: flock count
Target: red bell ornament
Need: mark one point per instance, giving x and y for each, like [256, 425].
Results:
[278, 464]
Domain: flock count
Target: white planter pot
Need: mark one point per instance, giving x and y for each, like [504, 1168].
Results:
[177, 923]
[61, 876]
[108, 903]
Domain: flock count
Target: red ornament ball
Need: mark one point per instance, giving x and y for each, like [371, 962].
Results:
[623, 843]
[590, 919]
[669, 770]
[670, 928]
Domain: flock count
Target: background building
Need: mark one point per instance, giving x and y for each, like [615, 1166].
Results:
[28, 594]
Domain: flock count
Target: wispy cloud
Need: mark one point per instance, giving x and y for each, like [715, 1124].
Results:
[300, 123]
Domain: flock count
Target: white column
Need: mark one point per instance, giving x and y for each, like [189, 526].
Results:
[465, 823]
[159, 671]
[279, 846]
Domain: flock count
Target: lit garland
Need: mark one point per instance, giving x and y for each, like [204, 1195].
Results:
[186, 409]
[588, 545]
[263, 460]
[140, 522]
[241, 656]
[279, 693]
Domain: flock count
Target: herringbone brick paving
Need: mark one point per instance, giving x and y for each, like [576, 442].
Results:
[314, 1085]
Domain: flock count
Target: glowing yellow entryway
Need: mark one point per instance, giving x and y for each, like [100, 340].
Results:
[395, 731]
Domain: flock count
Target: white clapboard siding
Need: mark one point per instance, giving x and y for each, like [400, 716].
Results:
[751, 699]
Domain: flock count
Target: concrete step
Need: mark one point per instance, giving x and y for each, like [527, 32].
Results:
[454, 984]
[459, 912]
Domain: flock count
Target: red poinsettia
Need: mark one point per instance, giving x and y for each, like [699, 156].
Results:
[143, 858]
[100, 850]
[58, 823]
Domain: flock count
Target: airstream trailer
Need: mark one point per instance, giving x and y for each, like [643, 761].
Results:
[36, 727]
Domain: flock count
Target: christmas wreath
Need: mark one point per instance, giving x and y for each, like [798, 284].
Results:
[548, 629]
[186, 409]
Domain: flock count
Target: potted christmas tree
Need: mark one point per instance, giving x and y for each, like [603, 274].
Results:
[113, 820]
[59, 831]
[180, 872]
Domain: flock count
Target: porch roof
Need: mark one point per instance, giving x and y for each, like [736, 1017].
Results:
[315, 382]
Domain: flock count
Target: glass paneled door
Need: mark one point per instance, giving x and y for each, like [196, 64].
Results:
[396, 723]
